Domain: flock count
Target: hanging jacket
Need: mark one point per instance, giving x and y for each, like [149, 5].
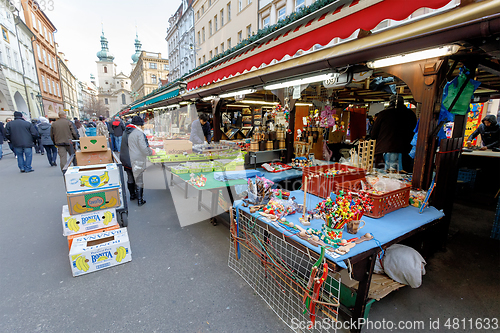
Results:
[490, 135]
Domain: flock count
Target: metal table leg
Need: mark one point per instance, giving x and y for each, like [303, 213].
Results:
[165, 175]
[366, 266]
[200, 196]
[213, 210]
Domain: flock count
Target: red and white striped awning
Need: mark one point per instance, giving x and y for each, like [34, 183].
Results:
[340, 22]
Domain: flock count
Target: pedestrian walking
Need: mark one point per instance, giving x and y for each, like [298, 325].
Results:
[38, 146]
[118, 129]
[134, 151]
[62, 132]
[8, 120]
[48, 144]
[111, 134]
[2, 138]
[80, 129]
[102, 129]
[22, 134]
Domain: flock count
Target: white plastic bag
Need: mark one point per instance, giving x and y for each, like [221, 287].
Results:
[404, 265]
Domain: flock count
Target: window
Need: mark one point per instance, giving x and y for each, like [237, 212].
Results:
[216, 27]
[5, 34]
[9, 59]
[58, 91]
[199, 61]
[202, 9]
[124, 100]
[153, 79]
[50, 38]
[106, 101]
[249, 1]
[105, 69]
[153, 65]
[229, 12]
[43, 82]
[50, 86]
[209, 3]
[33, 20]
[210, 55]
[16, 61]
[229, 43]
[203, 34]
[54, 87]
[45, 33]
[222, 48]
[165, 67]
[299, 4]
[216, 51]
[281, 13]
[240, 5]
[210, 28]
[38, 26]
[249, 30]
[54, 61]
[50, 61]
[45, 57]
[198, 15]
[240, 36]
[222, 18]
[204, 59]
[39, 53]
[199, 38]
[265, 22]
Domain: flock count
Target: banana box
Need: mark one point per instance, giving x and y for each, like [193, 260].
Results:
[84, 202]
[93, 177]
[93, 158]
[98, 251]
[71, 237]
[77, 224]
[93, 143]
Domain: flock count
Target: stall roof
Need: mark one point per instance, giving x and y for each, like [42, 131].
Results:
[168, 94]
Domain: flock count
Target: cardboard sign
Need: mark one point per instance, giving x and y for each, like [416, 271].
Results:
[83, 202]
[93, 143]
[77, 224]
[98, 251]
[89, 178]
[93, 158]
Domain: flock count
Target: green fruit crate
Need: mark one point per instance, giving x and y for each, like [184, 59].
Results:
[207, 168]
[196, 157]
[194, 170]
[179, 171]
[230, 167]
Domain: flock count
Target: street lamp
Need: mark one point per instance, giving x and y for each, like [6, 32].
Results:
[39, 98]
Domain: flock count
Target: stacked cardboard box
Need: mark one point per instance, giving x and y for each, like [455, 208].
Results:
[89, 220]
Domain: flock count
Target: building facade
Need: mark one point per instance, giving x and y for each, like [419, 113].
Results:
[173, 45]
[18, 79]
[69, 84]
[220, 25]
[44, 47]
[148, 72]
[113, 89]
[187, 45]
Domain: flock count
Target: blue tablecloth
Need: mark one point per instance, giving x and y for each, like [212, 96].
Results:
[283, 175]
[384, 229]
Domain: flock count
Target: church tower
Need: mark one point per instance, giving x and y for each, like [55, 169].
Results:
[105, 66]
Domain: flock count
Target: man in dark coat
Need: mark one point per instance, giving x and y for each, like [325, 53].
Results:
[393, 130]
[490, 133]
[118, 129]
[62, 132]
[22, 134]
[2, 138]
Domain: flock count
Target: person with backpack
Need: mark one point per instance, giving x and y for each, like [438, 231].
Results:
[118, 129]
[22, 134]
[46, 141]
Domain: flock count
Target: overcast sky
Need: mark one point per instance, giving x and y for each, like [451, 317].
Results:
[78, 33]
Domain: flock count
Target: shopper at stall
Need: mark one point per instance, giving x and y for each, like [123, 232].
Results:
[62, 132]
[46, 141]
[490, 133]
[134, 151]
[200, 130]
[118, 129]
[22, 134]
[393, 130]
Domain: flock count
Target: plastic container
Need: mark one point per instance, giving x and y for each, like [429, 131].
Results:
[179, 170]
[321, 185]
[382, 203]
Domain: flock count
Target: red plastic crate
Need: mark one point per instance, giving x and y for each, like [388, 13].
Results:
[322, 186]
[382, 203]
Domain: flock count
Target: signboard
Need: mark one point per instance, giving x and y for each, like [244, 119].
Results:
[473, 120]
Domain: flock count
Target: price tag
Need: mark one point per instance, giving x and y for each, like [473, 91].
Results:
[332, 254]
[296, 92]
